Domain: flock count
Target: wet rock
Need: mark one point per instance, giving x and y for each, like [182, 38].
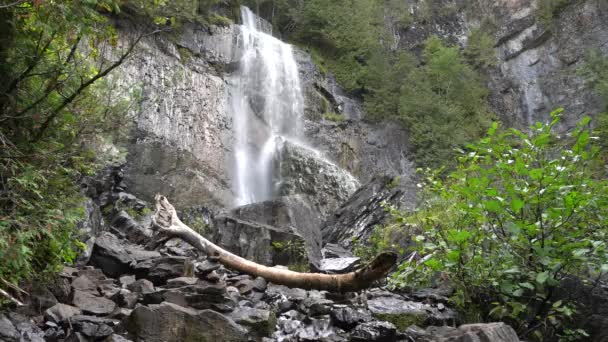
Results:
[347, 317]
[338, 265]
[126, 298]
[374, 331]
[179, 247]
[61, 312]
[261, 322]
[116, 338]
[150, 323]
[91, 304]
[318, 329]
[159, 270]
[94, 327]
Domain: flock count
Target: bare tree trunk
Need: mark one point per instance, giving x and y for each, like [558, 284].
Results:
[167, 221]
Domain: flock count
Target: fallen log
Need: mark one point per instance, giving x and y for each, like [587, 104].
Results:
[166, 220]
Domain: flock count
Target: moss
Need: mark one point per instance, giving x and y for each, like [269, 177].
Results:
[185, 55]
[219, 20]
[335, 117]
[403, 321]
[393, 183]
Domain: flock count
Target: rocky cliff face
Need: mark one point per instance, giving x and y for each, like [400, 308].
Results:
[537, 61]
[183, 140]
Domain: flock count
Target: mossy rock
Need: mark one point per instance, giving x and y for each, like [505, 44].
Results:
[404, 320]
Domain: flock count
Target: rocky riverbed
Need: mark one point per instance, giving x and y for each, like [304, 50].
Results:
[132, 285]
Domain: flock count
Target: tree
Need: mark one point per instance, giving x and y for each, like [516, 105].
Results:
[55, 101]
[443, 104]
[167, 221]
[521, 213]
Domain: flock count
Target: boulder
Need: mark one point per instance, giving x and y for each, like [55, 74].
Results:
[494, 332]
[404, 313]
[338, 265]
[116, 257]
[261, 322]
[91, 304]
[150, 323]
[259, 242]
[94, 327]
[61, 312]
[159, 270]
[374, 331]
[8, 332]
[359, 214]
[130, 229]
[295, 211]
[304, 171]
[347, 317]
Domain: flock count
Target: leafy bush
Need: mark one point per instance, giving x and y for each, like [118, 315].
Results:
[520, 214]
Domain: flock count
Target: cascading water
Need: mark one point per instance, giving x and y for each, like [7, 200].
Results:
[267, 107]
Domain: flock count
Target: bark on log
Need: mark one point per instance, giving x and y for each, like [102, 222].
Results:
[165, 219]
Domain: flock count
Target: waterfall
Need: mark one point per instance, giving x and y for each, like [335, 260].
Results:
[267, 106]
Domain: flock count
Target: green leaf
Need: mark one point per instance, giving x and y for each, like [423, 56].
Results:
[493, 206]
[542, 277]
[516, 204]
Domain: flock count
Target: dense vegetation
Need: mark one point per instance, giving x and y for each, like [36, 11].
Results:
[58, 108]
[521, 213]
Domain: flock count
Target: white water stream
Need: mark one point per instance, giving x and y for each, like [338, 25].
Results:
[267, 107]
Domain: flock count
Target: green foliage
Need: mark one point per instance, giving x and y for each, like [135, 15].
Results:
[443, 103]
[335, 117]
[55, 105]
[295, 252]
[220, 20]
[480, 50]
[521, 213]
[345, 33]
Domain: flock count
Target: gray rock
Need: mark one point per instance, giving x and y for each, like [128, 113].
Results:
[126, 280]
[404, 313]
[374, 331]
[61, 312]
[116, 257]
[42, 299]
[206, 267]
[304, 171]
[130, 229]
[258, 242]
[91, 304]
[142, 286]
[150, 323]
[495, 332]
[296, 211]
[83, 283]
[347, 317]
[159, 270]
[116, 338]
[338, 265]
[358, 216]
[261, 322]
[181, 281]
[94, 327]
[332, 250]
[8, 331]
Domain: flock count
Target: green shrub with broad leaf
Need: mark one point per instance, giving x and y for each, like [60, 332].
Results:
[521, 213]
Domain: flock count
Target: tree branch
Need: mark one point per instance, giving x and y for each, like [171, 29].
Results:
[165, 219]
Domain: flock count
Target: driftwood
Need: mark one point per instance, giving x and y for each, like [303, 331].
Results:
[166, 220]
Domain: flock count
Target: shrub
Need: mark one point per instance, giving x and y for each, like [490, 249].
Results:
[521, 213]
[336, 117]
